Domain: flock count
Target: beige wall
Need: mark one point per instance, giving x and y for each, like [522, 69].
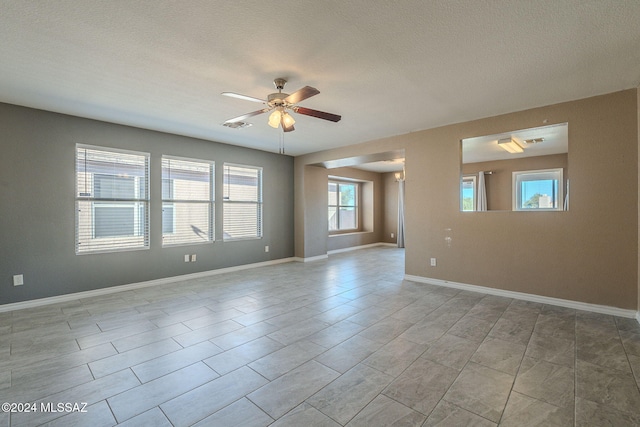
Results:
[498, 184]
[588, 254]
[390, 208]
[306, 221]
[317, 179]
[638, 107]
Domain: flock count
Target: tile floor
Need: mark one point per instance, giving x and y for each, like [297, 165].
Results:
[342, 342]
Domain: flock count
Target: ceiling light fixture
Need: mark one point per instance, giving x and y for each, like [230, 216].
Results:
[401, 175]
[275, 118]
[509, 145]
[287, 120]
[279, 116]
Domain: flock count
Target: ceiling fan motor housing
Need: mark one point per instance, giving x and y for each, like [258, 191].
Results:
[279, 83]
[277, 99]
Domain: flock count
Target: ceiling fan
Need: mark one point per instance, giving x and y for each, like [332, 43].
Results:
[279, 104]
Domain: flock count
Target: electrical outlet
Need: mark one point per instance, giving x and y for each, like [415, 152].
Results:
[186, 258]
[193, 258]
[393, 235]
[18, 280]
[433, 262]
[266, 248]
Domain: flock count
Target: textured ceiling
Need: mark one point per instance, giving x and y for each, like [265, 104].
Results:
[387, 67]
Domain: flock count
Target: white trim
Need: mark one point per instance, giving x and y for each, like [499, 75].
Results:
[113, 289]
[337, 251]
[355, 248]
[311, 258]
[337, 233]
[391, 245]
[604, 309]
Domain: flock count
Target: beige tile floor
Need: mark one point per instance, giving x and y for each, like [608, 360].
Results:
[342, 342]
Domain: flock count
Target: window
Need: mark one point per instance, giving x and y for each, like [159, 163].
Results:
[187, 201]
[242, 207]
[343, 205]
[468, 193]
[537, 190]
[112, 200]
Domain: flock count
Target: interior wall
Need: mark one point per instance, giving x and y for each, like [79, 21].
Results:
[498, 184]
[311, 213]
[372, 204]
[316, 184]
[37, 178]
[306, 221]
[390, 216]
[588, 254]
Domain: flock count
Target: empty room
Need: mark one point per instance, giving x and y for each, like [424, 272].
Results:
[411, 213]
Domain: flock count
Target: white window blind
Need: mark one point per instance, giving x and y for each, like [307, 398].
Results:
[242, 202]
[112, 200]
[187, 201]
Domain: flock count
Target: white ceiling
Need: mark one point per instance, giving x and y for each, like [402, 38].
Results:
[388, 67]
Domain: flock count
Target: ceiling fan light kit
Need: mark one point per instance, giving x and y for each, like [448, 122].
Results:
[278, 103]
[275, 118]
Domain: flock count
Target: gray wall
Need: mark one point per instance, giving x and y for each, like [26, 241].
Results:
[37, 222]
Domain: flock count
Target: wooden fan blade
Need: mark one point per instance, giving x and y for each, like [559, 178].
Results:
[318, 114]
[246, 116]
[302, 94]
[245, 97]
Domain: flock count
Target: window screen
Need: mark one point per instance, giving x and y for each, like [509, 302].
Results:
[242, 202]
[112, 200]
[187, 201]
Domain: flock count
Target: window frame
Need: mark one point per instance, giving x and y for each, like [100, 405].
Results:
[85, 224]
[226, 201]
[356, 206]
[556, 174]
[171, 200]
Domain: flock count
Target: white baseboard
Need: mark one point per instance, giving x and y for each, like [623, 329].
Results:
[355, 248]
[337, 251]
[113, 289]
[311, 258]
[604, 309]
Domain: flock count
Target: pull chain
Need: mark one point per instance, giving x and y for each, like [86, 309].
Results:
[281, 146]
